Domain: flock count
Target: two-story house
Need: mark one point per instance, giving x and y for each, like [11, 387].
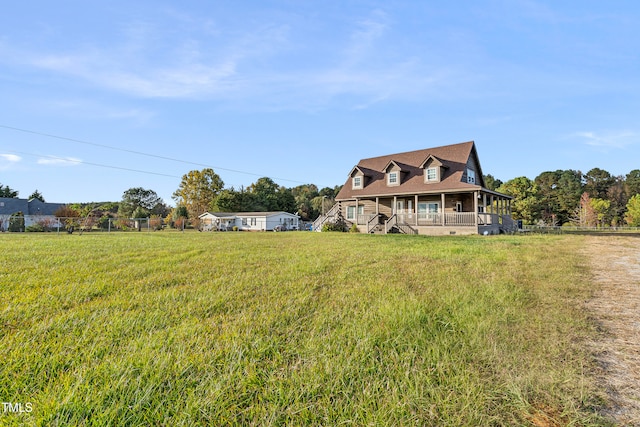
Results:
[432, 191]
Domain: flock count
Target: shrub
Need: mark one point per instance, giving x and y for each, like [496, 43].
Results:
[35, 228]
[16, 222]
[333, 226]
[354, 229]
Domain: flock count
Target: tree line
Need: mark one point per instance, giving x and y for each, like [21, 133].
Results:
[569, 197]
[561, 197]
[200, 191]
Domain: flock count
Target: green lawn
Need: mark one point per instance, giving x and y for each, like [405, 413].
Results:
[173, 329]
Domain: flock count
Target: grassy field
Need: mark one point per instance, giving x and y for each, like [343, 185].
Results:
[172, 329]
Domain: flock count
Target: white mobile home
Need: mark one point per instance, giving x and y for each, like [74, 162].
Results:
[249, 221]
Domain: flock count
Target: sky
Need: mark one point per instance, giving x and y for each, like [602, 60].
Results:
[100, 97]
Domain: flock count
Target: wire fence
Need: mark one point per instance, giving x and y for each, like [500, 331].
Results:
[39, 223]
[548, 229]
[104, 224]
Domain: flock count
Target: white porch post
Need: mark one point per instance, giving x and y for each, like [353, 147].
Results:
[442, 200]
[476, 196]
[492, 204]
[395, 203]
[415, 209]
[377, 205]
[356, 211]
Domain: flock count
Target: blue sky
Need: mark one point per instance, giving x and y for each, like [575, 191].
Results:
[301, 90]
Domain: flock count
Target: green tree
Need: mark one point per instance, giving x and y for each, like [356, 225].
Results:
[231, 200]
[547, 183]
[597, 183]
[491, 183]
[16, 222]
[602, 209]
[559, 192]
[265, 190]
[37, 195]
[526, 202]
[617, 195]
[139, 201]
[304, 194]
[269, 196]
[632, 182]
[569, 190]
[198, 190]
[8, 192]
[633, 211]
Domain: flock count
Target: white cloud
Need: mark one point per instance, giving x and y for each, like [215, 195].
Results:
[261, 66]
[11, 158]
[619, 139]
[59, 161]
[8, 160]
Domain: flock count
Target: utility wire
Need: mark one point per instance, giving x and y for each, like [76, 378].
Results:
[140, 153]
[82, 162]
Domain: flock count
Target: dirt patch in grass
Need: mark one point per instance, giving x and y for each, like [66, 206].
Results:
[615, 263]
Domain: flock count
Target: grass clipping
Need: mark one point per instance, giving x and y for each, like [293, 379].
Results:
[294, 328]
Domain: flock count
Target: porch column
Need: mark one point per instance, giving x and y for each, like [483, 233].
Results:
[442, 199]
[492, 204]
[415, 209]
[356, 222]
[377, 205]
[476, 195]
[395, 203]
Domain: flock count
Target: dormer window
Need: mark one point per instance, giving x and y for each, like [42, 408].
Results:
[357, 182]
[433, 169]
[471, 176]
[392, 178]
[431, 174]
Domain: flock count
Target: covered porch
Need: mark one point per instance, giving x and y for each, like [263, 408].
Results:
[445, 213]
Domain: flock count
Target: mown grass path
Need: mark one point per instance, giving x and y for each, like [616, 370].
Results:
[172, 329]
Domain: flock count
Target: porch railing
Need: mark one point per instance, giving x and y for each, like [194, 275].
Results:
[372, 223]
[329, 216]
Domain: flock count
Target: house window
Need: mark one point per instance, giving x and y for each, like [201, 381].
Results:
[393, 178]
[471, 176]
[458, 206]
[428, 212]
[351, 212]
[432, 174]
[357, 182]
[244, 221]
[253, 221]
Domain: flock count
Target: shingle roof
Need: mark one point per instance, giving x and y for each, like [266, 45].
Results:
[10, 206]
[453, 157]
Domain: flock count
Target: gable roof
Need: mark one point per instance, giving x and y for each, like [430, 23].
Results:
[454, 158]
[11, 205]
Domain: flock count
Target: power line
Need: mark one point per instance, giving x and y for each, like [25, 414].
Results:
[140, 153]
[82, 162]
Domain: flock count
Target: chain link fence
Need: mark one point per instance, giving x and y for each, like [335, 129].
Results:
[39, 223]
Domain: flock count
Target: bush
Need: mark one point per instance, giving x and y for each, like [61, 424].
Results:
[354, 229]
[333, 226]
[16, 222]
[35, 228]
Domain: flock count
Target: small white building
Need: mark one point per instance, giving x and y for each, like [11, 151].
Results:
[249, 221]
